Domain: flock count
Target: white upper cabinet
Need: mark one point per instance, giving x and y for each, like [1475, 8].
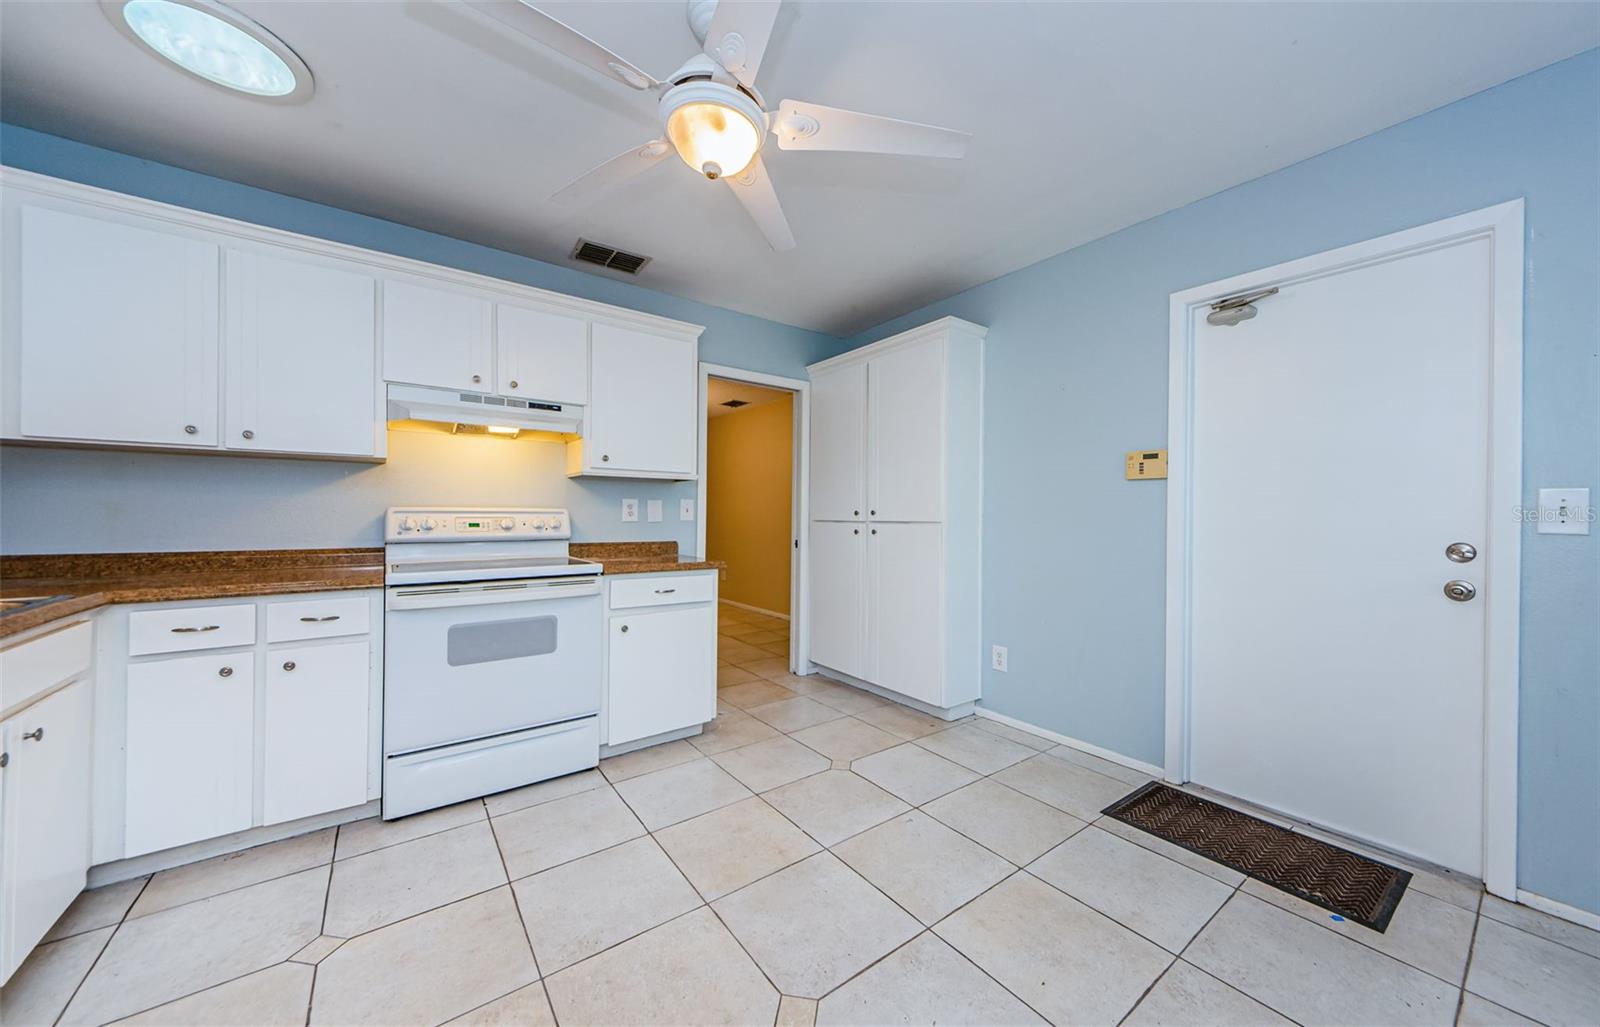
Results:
[541, 356]
[642, 406]
[839, 443]
[437, 336]
[905, 433]
[300, 358]
[117, 327]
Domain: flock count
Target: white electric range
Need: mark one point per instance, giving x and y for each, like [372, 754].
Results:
[492, 658]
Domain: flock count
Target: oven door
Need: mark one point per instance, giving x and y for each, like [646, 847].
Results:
[472, 660]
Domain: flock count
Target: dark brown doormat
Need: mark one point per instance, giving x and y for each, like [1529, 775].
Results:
[1354, 887]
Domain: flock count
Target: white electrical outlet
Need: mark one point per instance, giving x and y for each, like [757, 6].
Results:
[630, 509]
[997, 658]
[1564, 512]
[685, 509]
[652, 510]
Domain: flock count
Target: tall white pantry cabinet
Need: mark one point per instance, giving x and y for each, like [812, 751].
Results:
[896, 497]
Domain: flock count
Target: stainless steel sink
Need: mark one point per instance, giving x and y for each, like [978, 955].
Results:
[20, 603]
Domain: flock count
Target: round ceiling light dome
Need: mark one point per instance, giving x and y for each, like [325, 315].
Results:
[217, 44]
[715, 128]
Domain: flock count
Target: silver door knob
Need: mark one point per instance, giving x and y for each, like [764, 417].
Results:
[225, 672]
[1460, 591]
[1461, 552]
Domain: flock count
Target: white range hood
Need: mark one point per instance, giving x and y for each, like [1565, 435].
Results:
[477, 410]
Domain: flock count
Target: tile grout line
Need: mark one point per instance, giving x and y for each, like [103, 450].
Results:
[516, 904]
[115, 928]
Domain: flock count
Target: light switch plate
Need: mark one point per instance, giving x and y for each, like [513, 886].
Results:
[652, 510]
[630, 509]
[1564, 512]
[685, 509]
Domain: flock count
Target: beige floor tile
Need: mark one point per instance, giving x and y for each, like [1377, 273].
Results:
[794, 714]
[727, 707]
[927, 868]
[1428, 933]
[1065, 960]
[429, 968]
[742, 630]
[319, 949]
[796, 1012]
[687, 971]
[544, 791]
[1160, 846]
[834, 805]
[393, 883]
[902, 721]
[1016, 826]
[274, 997]
[234, 870]
[767, 636]
[1186, 996]
[39, 989]
[803, 685]
[551, 833]
[1154, 896]
[754, 693]
[1035, 742]
[579, 908]
[913, 773]
[845, 739]
[1105, 767]
[976, 749]
[735, 651]
[1533, 976]
[373, 833]
[678, 793]
[1312, 975]
[1083, 793]
[726, 849]
[847, 699]
[528, 1006]
[766, 765]
[778, 648]
[735, 675]
[764, 663]
[1480, 1012]
[96, 908]
[182, 950]
[814, 925]
[648, 760]
[1551, 928]
[732, 728]
[924, 981]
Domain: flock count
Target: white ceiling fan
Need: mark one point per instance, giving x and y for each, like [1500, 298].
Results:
[711, 114]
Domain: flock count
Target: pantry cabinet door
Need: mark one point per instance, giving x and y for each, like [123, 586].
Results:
[905, 604]
[541, 356]
[838, 595]
[301, 357]
[434, 336]
[118, 330]
[643, 397]
[905, 433]
[314, 730]
[839, 443]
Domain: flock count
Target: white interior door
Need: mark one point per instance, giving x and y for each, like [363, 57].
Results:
[1340, 443]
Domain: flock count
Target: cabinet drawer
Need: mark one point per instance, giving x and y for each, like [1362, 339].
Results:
[664, 591]
[198, 627]
[317, 618]
[42, 662]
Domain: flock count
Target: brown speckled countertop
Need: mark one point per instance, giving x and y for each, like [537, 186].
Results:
[641, 557]
[87, 581]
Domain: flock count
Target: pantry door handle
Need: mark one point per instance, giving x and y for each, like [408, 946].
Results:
[320, 620]
[189, 631]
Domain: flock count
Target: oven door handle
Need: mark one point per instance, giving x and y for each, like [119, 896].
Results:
[433, 597]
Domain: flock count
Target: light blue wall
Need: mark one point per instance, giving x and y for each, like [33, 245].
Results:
[55, 500]
[1074, 560]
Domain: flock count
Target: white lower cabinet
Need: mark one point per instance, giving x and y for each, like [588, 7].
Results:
[661, 656]
[315, 730]
[191, 731]
[904, 588]
[838, 595]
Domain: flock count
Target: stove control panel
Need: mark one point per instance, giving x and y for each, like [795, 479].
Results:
[436, 524]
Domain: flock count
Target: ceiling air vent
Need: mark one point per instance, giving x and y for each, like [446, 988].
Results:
[736, 403]
[608, 256]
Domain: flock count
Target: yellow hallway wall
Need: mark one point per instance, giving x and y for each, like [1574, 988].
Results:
[748, 486]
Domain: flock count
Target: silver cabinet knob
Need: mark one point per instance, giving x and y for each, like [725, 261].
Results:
[247, 433]
[1461, 552]
[624, 629]
[605, 458]
[5, 760]
[477, 378]
[513, 383]
[855, 531]
[190, 429]
[36, 735]
[288, 665]
[855, 513]
[1460, 591]
[225, 672]
[874, 531]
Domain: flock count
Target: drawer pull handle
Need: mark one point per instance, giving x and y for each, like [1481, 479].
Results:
[37, 734]
[225, 672]
[320, 620]
[190, 631]
[665, 591]
[288, 665]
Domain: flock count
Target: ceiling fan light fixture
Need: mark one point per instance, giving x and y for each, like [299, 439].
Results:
[215, 43]
[716, 129]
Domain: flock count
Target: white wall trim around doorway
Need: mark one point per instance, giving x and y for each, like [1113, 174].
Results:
[1502, 225]
[800, 511]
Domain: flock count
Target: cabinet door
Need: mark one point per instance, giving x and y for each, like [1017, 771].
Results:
[905, 433]
[839, 443]
[191, 750]
[119, 334]
[662, 672]
[314, 730]
[47, 815]
[838, 606]
[642, 400]
[541, 356]
[301, 357]
[905, 650]
[432, 336]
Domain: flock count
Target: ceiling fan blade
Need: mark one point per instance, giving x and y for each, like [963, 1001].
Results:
[811, 126]
[616, 170]
[738, 35]
[754, 190]
[562, 38]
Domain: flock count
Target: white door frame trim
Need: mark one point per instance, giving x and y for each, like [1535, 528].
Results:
[1502, 225]
[800, 506]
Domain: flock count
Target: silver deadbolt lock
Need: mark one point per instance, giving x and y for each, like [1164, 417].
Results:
[1461, 552]
[225, 672]
[1460, 591]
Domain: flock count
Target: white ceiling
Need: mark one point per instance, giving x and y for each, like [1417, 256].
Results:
[1086, 118]
[720, 390]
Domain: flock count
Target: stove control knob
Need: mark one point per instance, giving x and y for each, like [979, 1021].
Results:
[408, 524]
[506, 524]
[541, 524]
[428, 524]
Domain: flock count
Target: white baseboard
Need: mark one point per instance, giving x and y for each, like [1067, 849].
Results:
[1571, 914]
[1072, 743]
[755, 609]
